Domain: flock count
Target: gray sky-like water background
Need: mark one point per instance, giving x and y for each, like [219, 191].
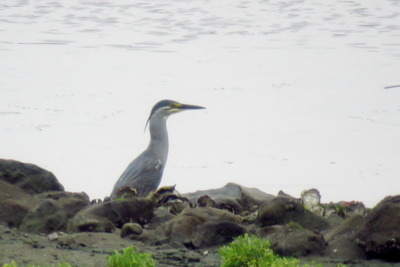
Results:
[299, 94]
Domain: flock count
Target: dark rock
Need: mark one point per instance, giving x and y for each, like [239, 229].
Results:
[354, 208]
[30, 178]
[345, 209]
[14, 204]
[174, 202]
[334, 220]
[293, 240]
[379, 237]
[71, 203]
[349, 226]
[196, 228]
[341, 239]
[104, 217]
[232, 197]
[47, 216]
[206, 201]
[344, 247]
[131, 229]
[216, 233]
[161, 215]
[283, 194]
[282, 210]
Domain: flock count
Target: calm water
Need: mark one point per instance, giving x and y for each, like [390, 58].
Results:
[294, 91]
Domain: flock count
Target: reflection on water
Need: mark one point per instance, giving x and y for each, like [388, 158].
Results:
[149, 26]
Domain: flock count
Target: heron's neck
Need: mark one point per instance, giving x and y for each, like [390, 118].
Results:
[159, 136]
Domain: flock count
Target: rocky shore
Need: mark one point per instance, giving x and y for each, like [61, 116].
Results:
[42, 224]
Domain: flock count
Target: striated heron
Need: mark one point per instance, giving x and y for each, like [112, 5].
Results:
[145, 172]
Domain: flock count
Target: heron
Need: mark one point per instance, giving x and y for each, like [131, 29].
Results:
[144, 173]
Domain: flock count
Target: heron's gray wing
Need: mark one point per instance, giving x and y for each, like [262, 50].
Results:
[143, 174]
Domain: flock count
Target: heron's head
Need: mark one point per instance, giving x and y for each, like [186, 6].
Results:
[168, 107]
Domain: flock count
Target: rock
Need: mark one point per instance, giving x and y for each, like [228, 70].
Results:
[341, 240]
[282, 210]
[196, 228]
[311, 199]
[379, 236]
[131, 229]
[334, 220]
[345, 209]
[349, 226]
[161, 215]
[53, 236]
[206, 201]
[105, 216]
[30, 178]
[47, 217]
[232, 197]
[293, 240]
[71, 203]
[14, 204]
[283, 194]
[174, 202]
[354, 208]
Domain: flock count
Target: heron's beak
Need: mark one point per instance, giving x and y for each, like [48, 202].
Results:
[185, 107]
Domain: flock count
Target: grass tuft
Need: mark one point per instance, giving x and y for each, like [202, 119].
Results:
[252, 251]
[131, 258]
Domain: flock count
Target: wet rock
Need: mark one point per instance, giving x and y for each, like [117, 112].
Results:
[71, 203]
[104, 217]
[131, 229]
[196, 228]
[30, 178]
[311, 199]
[47, 216]
[232, 197]
[379, 237]
[293, 240]
[282, 210]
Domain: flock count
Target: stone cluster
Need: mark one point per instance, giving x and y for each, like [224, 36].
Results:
[33, 201]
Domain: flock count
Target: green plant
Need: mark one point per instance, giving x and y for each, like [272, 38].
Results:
[252, 251]
[12, 264]
[131, 258]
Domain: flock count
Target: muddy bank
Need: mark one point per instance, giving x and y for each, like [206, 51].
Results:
[42, 224]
